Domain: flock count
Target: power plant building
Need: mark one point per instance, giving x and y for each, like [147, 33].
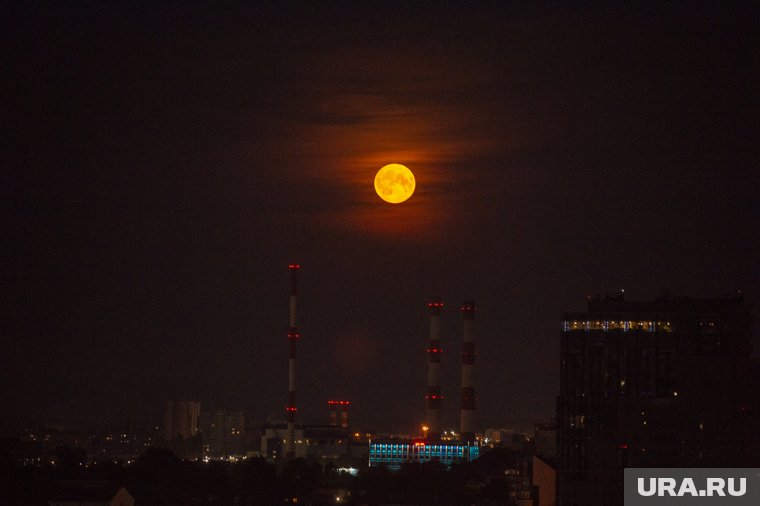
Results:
[321, 442]
[334, 440]
[393, 453]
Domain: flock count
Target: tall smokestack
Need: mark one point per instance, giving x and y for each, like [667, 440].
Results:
[344, 413]
[293, 337]
[467, 429]
[433, 396]
[336, 407]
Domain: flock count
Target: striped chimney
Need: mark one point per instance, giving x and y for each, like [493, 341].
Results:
[339, 409]
[293, 337]
[433, 396]
[332, 406]
[344, 414]
[467, 428]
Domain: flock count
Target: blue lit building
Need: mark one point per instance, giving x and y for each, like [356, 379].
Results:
[394, 453]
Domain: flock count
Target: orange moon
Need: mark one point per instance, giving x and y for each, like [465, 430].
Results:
[395, 183]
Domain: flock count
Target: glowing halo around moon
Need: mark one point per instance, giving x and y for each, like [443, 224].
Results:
[395, 183]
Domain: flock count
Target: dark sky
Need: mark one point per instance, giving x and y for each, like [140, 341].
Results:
[162, 164]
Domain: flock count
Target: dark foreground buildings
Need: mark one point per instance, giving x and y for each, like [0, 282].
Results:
[665, 383]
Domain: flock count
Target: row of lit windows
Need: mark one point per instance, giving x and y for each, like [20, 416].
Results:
[397, 453]
[435, 451]
[392, 458]
[624, 325]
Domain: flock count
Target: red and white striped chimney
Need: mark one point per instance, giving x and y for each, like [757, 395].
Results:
[344, 413]
[467, 427]
[293, 337]
[341, 407]
[433, 396]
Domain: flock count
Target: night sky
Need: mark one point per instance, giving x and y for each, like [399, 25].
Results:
[160, 165]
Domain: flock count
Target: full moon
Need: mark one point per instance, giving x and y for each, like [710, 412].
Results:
[394, 183]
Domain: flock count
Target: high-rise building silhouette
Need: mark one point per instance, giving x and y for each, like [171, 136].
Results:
[181, 419]
[223, 433]
[663, 383]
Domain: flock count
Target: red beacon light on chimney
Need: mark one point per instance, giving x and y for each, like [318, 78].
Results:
[294, 266]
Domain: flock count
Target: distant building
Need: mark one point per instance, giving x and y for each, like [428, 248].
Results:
[506, 438]
[663, 383]
[519, 480]
[545, 441]
[496, 436]
[394, 453]
[223, 433]
[181, 419]
[273, 441]
[544, 482]
[531, 481]
[321, 442]
[17, 453]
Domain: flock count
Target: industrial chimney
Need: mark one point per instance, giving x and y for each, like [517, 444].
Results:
[293, 337]
[467, 429]
[433, 396]
[339, 409]
[344, 413]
